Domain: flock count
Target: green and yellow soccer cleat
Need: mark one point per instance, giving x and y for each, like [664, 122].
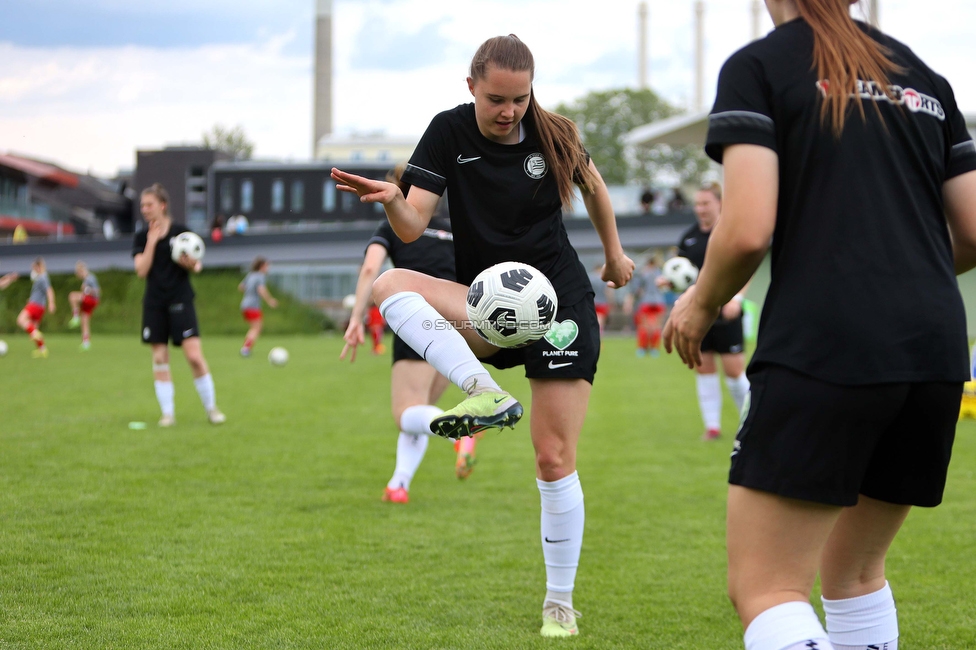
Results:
[74, 322]
[967, 409]
[483, 411]
[558, 620]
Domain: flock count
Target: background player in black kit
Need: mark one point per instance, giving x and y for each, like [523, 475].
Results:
[725, 337]
[168, 312]
[850, 152]
[415, 386]
[508, 166]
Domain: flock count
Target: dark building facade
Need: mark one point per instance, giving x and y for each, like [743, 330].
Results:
[183, 172]
[289, 192]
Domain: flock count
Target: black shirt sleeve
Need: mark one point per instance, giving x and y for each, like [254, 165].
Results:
[742, 113]
[426, 167]
[962, 152]
[384, 236]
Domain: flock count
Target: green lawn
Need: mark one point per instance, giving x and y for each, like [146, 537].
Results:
[268, 532]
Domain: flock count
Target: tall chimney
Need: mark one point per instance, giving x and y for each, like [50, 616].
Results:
[642, 45]
[756, 19]
[699, 55]
[323, 72]
[874, 16]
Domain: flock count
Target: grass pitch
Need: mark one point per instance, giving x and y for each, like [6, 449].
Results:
[268, 532]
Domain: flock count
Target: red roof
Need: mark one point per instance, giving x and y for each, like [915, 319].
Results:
[40, 170]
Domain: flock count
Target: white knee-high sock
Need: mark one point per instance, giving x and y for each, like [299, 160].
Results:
[164, 395]
[410, 452]
[205, 388]
[442, 346]
[710, 399]
[790, 626]
[869, 621]
[739, 388]
[562, 535]
[416, 419]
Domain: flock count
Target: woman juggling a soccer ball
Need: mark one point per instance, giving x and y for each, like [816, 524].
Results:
[508, 166]
[168, 313]
[846, 150]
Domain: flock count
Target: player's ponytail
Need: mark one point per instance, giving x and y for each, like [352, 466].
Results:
[842, 55]
[558, 136]
[157, 190]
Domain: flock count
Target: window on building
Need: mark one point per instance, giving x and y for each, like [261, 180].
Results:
[356, 155]
[328, 196]
[384, 155]
[247, 195]
[347, 201]
[297, 196]
[277, 195]
[227, 195]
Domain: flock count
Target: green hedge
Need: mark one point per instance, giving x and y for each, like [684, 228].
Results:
[120, 311]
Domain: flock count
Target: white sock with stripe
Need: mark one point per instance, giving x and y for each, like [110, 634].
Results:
[789, 626]
[205, 388]
[710, 399]
[865, 622]
[165, 396]
[562, 534]
[410, 453]
[442, 346]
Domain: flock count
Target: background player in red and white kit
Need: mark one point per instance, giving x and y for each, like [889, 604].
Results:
[168, 312]
[844, 147]
[415, 386]
[41, 300]
[508, 166]
[255, 288]
[725, 338]
[84, 302]
[601, 297]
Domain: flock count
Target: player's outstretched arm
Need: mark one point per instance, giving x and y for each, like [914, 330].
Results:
[960, 208]
[268, 298]
[8, 280]
[618, 268]
[372, 265]
[408, 217]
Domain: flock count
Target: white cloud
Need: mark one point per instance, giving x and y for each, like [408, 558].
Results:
[90, 108]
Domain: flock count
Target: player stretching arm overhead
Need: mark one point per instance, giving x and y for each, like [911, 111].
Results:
[844, 147]
[508, 166]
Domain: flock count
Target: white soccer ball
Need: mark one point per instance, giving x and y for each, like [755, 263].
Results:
[680, 272]
[278, 356]
[3, 348]
[189, 243]
[511, 304]
[349, 301]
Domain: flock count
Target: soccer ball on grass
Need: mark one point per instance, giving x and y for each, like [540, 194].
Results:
[278, 356]
[190, 244]
[511, 304]
[3, 348]
[680, 272]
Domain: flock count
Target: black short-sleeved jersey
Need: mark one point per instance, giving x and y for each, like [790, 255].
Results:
[432, 253]
[504, 203]
[167, 281]
[693, 244]
[863, 285]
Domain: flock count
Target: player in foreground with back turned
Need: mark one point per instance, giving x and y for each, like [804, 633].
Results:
[415, 386]
[844, 147]
[84, 302]
[168, 312]
[255, 288]
[41, 301]
[508, 166]
[725, 338]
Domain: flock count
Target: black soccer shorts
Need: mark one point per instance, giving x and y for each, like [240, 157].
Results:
[569, 350]
[725, 337]
[164, 322]
[403, 352]
[809, 439]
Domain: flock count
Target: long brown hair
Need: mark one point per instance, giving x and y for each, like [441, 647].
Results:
[842, 55]
[157, 190]
[558, 136]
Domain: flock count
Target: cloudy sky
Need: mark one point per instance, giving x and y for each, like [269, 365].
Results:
[87, 82]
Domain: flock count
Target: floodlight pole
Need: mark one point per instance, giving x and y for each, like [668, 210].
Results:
[874, 16]
[642, 45]
[699, 55]
[757, 12]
